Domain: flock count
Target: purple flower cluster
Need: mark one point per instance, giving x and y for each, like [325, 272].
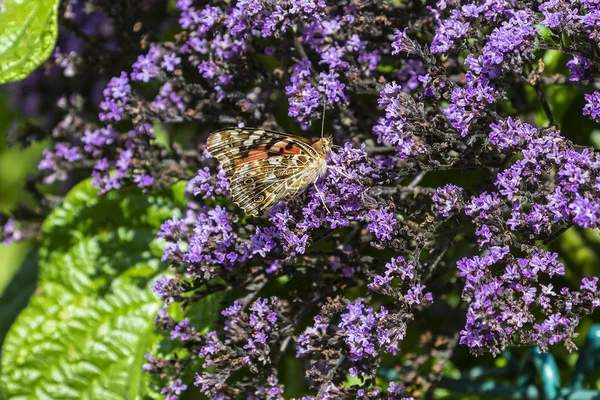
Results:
[366, 334]
[207, 185]
[504, 308]
[250, 335]
[115, 97]
[360, 334]
[592, 106]
[548, 155]
[502, 305]
[579, 68]
[402, 113]
[224, 35]
[382, 223]
[448, 199]
[10, 232]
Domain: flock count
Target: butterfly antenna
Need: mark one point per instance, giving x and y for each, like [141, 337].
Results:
[323, 119]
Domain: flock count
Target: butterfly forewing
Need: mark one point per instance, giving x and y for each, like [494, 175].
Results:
[264, 167]
[238, 145]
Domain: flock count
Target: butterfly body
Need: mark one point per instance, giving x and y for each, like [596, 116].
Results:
[264, 166]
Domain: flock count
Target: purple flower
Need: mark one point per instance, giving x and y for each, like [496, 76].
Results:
[481, 205]
[590, 285]
[592, 106]
[415, 295]
[381, 223]
[392, 130]
[145, 68]
[402, 43]
[509, 133]
[359, 325]
[170, 61]
[178, 387]
[448, 199]
[10, 232]
[585, 212]
[397, 267]
[448, 33]
[579, 68]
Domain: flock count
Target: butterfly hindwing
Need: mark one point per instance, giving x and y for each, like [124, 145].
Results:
[258, 186]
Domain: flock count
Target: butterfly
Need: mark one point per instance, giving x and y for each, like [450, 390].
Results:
[265, 166]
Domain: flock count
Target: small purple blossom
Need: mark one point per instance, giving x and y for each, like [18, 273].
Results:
[592, 106]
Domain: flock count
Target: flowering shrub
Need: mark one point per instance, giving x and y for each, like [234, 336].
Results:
[335, 294]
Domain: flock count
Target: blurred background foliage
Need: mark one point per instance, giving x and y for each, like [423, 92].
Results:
[15, 165]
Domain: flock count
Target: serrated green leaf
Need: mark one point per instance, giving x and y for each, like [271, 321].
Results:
[28, 31]
[83, 335]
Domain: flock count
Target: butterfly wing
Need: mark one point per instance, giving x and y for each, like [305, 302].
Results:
[259, 185]
[236, 146]
[264, 167]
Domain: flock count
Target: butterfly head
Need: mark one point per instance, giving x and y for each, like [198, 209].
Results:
[326, 143]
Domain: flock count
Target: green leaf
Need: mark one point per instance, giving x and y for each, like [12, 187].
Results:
[86, 330]
[12, 255]
[28, 31]
[17, 293]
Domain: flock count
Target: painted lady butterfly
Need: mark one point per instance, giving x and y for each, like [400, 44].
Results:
[264, 167]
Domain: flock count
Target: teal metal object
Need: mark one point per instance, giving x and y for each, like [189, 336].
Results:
[535, 366]
[537, 376]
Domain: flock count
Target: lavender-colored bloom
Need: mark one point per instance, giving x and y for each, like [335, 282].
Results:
[333, 88]
[178, 387]
[143, 180]
[590, 284]
[448, 199]
[381, 223]
[391, 130]
[466, 103]
[579, 68]
[585, 212]
[510, 133]
[304, 98]
[145, 68]
[10, 232]
[482, 205]
[402, 43]
[182, 331]
[96, 140]
[66, 152]
[448, 33]
[161, 286]
[592, 106]
[205, 184]
[397, 267]
[359, 325]
[415, 295]
[170, 61]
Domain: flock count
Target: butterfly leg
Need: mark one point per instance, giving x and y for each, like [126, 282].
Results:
[339, 171]
[321, 197]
